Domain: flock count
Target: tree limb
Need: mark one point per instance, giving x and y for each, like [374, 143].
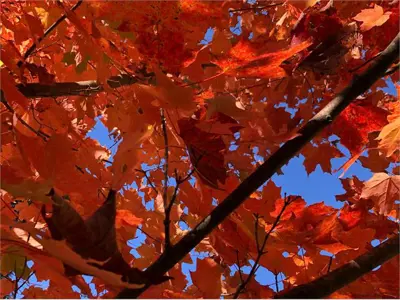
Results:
[167, 208]
[324, 286]
[82, 88]
[359, 85]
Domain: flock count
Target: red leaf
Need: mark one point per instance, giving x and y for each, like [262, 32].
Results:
[206, 148]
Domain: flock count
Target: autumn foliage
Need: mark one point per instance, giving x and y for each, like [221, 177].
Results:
[198, 128]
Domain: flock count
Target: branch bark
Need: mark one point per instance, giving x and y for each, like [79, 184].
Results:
[82, 88]
[335, 280]
[359, 85]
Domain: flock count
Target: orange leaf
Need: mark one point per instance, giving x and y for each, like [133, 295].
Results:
[11, 93]
[383, 190]
[127, 217]
[207, 278]
[242, 61]
[390, 137]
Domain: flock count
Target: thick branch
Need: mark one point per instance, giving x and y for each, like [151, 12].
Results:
[165, 189]
[359, 85]
[83, 88]
[335, 280]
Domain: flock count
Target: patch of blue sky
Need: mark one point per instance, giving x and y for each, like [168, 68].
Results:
[208, 36]
[237, 29]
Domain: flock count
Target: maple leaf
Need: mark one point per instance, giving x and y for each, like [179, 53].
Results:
[231, 98]
[356, 122]
[207, 148]
[211, 287]
[383, 190]
[321, 155]
[372, 17]
[243, 61]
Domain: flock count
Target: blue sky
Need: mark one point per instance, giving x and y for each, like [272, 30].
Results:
[316, 187]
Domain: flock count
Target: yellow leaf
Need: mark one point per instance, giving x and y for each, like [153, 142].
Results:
[372, 17]
[390, 137]
[43, 15]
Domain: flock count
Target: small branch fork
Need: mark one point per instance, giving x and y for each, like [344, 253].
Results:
[168, 205]
[167, 220]
[261, 247]
[149, 181]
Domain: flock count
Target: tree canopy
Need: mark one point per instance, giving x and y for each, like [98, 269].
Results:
[205, 101]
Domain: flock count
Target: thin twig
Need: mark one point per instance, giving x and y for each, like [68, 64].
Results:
[167, 206]
[364, 63]
[256, 231]
[16, 280]
[46, 33]
[276, 281]
[330, 264]
[8, 206]
[166, 152]
[150, 182]
[305, 263]
[148, 235]
[39, 133]
[26, 258]
[261, 251]
[239, 267]
[26, 281]
[167, 220]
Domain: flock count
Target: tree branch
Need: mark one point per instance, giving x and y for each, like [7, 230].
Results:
[261, 249]
[167, 207]
[335, 280]
[80, 88]
[322, 119]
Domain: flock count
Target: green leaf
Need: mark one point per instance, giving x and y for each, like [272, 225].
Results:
[83, 65]
[13, 261]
